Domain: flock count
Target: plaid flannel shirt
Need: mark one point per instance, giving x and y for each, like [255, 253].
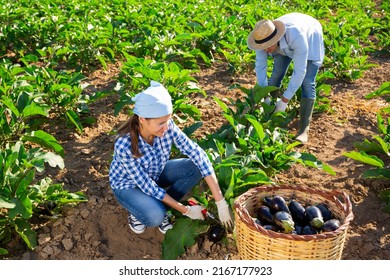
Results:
[129, 172]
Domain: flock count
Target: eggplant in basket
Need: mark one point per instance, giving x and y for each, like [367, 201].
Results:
[297, 211]
[325, 211]
[313, 216]
[279, 204]
[284, 221]
[331, 225]
[264, 215]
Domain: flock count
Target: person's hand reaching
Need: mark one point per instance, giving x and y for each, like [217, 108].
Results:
[195, 212]
[224, 213]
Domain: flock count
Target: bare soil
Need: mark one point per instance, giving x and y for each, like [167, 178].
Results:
[98, 228]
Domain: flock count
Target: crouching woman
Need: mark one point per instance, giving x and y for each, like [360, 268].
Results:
[145, 180]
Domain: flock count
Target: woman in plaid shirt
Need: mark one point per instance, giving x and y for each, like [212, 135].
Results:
[143, 178]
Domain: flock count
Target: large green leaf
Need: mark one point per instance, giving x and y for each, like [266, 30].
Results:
[261, 92]
[22, 209]
[6, 204]
[383, 90]
[44, 139]
[256, 179]
[182, 235]
[377, 173]
[367, 146]
[3, 251]
[75, 119]
[258, 127]
[10, 104]
[33, 109]
[383, 144]
[188, 130]
[24, 230]
[54, 160]
[229, 192]
[312, 161]
[221, 104]
[25, 179]
[364, 158]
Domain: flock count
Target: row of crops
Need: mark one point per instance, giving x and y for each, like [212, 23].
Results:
[48, 48]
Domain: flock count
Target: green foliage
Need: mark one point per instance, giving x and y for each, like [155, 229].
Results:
[383, 91]
[30, 94]
[181, 236]
[51, 44]
[20, 196]
[252, 148]
[137, 73]
[385, 197]
[378, 144]
[190, 33]
[376, 151]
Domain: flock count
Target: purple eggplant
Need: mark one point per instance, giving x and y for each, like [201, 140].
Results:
[325, 211]
[298, 229]
[279, 204]
[331, 225]
[264, 215]
[267, 200]
[216, 233]
[297, 211]
[313, 216]
[270, 227]
[308, 230]
[284, 220]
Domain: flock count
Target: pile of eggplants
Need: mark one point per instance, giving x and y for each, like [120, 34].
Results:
[293, 217]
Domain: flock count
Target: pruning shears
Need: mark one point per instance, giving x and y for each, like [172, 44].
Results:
[205, 213]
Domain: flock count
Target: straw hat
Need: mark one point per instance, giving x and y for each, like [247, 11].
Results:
[265, 34]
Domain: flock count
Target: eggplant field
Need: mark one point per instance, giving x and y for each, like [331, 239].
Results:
[68, 71]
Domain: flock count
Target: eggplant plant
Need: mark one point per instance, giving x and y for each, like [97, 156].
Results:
[22, 195]
[252, 147]
[375, 151]
[136, 74]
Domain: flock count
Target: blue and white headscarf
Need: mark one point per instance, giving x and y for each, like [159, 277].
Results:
[154, 102]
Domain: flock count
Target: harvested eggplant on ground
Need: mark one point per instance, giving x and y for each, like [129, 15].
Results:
[216, 233]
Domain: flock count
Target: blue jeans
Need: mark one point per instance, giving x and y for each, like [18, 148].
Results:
[178, 177]
[281, 63]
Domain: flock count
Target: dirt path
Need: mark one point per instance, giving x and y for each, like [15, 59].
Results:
[98, 229]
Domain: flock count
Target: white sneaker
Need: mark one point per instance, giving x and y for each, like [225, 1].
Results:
[136, 225]
[165, 225]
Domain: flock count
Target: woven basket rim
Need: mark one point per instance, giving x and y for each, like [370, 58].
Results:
[333, 195]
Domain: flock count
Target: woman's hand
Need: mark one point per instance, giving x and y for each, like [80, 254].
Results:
[195, 212]
[224, 213]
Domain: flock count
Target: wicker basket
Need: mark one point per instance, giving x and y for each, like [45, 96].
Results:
[256, 243]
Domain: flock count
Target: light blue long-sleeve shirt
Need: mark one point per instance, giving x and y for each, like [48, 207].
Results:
[302, 41]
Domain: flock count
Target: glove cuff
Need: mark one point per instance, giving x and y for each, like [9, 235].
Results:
[220, 203]
[188, 210]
